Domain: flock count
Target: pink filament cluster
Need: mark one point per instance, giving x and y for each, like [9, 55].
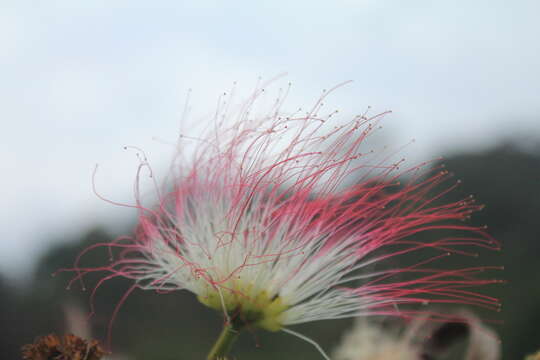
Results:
[279, 181]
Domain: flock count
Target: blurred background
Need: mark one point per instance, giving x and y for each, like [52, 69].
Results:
[83, 79]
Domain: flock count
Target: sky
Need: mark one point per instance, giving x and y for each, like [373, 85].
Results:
[83, 79]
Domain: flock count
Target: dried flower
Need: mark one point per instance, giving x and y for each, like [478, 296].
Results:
[67, 347]
[259, 225]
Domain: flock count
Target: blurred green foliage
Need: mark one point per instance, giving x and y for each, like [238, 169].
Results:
[176, 326]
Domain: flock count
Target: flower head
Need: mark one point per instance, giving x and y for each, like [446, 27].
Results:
[66, 347]
[419, 339]
[259, 224]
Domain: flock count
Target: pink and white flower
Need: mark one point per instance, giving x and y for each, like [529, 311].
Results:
[259, 224]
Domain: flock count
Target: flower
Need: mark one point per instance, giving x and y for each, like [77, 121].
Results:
[418, 340]
[66, 347]
[259, 224]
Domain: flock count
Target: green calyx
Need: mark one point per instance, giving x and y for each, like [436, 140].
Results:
[260, 310]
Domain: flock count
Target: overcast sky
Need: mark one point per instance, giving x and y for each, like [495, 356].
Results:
[81, 79]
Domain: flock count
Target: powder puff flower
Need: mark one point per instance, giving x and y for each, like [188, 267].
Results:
[420, 339]
[258, 223]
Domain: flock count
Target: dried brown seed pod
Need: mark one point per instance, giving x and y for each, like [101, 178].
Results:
[66, 347]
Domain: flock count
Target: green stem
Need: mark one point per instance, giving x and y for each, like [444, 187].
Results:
[224, 342]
